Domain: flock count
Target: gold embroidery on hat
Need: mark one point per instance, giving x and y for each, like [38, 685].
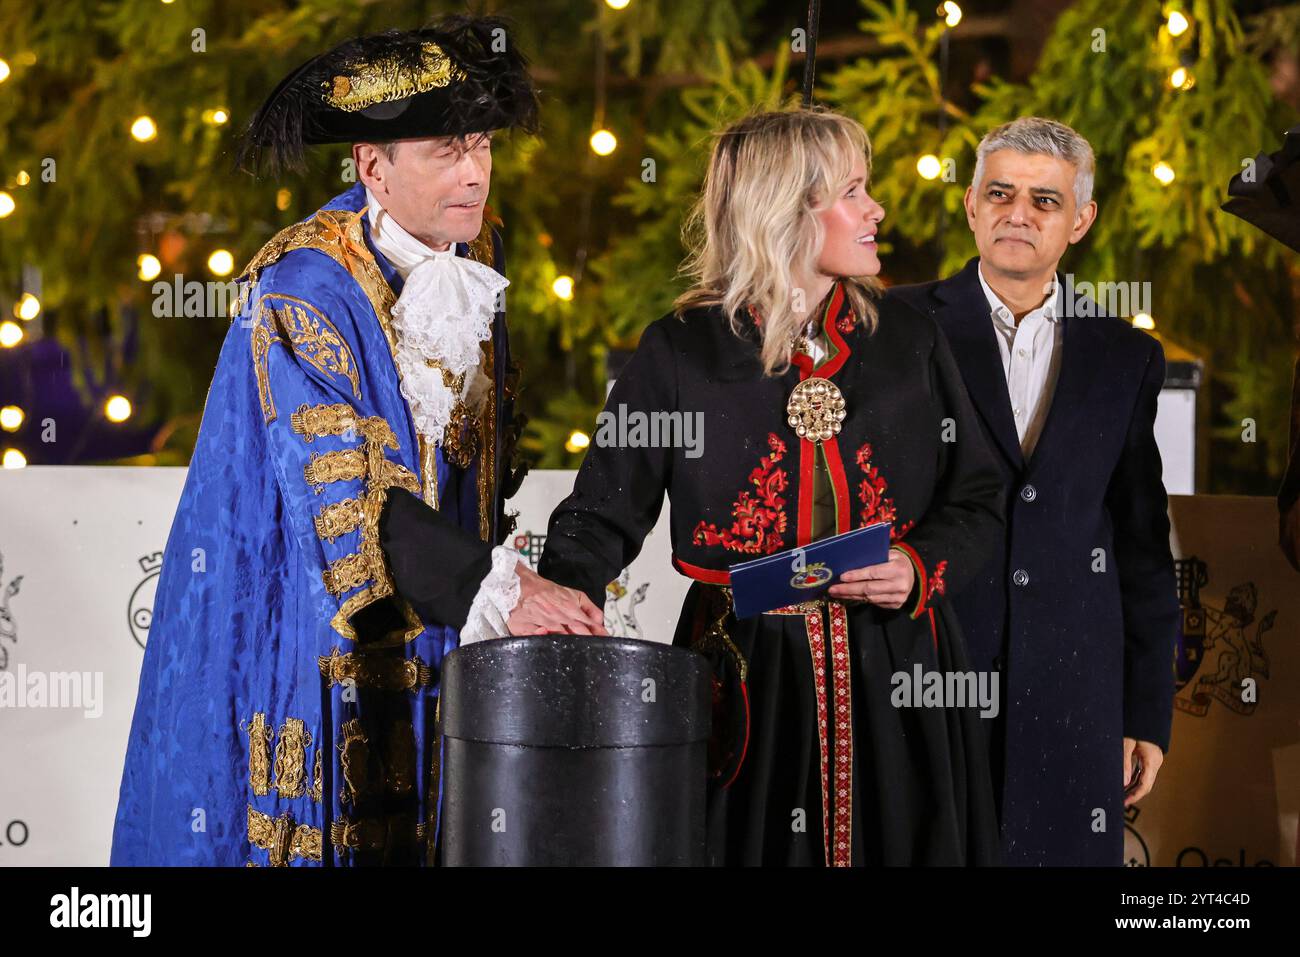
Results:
[383, 80]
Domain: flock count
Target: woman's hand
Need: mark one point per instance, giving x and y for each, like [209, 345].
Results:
[887, 584]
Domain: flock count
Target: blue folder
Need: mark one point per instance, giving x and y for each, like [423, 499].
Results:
[802, 574]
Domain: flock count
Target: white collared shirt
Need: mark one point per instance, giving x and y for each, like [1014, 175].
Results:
[1031, 359]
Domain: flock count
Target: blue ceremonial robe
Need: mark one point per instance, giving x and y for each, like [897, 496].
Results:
[287, 701]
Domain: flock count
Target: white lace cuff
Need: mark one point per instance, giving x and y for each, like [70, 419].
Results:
[496, 599]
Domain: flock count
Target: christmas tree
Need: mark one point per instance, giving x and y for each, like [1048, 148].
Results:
[118, 123]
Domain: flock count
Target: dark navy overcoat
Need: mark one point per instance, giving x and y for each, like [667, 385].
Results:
[1078, 610]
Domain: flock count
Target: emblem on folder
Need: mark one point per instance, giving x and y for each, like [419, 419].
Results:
[812, 576]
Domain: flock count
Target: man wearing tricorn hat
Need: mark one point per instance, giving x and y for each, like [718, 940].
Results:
[338, 531]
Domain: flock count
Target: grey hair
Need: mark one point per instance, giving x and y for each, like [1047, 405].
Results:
[1033, 134]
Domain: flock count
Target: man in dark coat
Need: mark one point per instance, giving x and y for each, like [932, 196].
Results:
[1079, 610]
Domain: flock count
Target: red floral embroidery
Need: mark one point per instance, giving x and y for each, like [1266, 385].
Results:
[877, 507]
[898, 532]
[760, 519]
[935, 582]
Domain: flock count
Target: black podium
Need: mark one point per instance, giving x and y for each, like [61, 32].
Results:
[573, 750]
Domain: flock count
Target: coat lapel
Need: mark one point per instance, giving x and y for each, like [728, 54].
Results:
[1083, 359]
[963, 313]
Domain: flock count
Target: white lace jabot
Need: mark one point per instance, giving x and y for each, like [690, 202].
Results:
[444, 312]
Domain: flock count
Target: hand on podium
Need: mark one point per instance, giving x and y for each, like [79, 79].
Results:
[545, 608]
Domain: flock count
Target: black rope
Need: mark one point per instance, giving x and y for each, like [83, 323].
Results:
[810, 57]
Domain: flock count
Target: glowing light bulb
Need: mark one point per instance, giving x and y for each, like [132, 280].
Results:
[1163, 172]
[13, 459]
[7, 204]
[950, 12]
[4, 71]
[577, 441]
[23, 178]
[1177, 24]
[221, 262]
[1144, 321]
[929, 166]
[144, 129]
[10, 334]
[150, 267]
[11, 418]
[563, 287]
[117, 408]
[27, 308]
[603, 142]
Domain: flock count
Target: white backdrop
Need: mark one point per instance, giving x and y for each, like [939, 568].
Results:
[79, 557]
[87, 545]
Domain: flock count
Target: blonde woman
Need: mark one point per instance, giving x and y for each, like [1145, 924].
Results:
[811, 760]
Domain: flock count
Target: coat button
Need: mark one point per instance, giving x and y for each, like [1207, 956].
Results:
[1029, 493]
[1020, 577]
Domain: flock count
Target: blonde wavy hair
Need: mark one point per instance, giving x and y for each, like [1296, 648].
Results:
[753, 228]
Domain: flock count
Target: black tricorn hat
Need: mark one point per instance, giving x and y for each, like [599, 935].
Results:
[457, 77]
[1270, 197]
